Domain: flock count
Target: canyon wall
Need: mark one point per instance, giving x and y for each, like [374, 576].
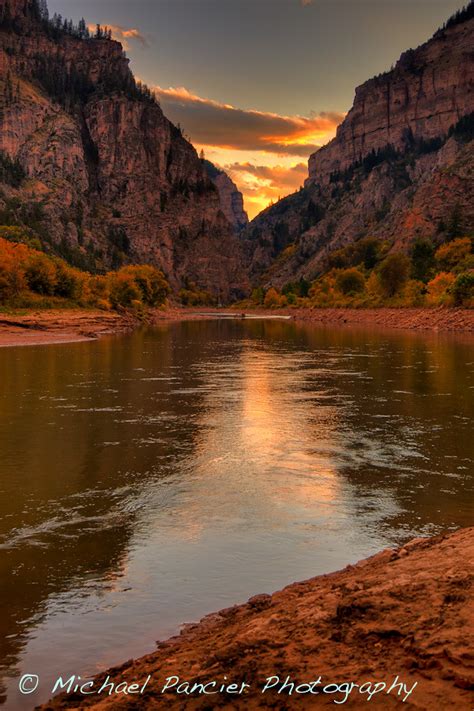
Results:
[401, 166]
[232, 200]
[109, 178]
[426, 93]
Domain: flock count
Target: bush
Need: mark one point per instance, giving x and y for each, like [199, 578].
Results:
[70, 282]
[452, 254]
[193, 296]
[413, 293]
[463, 289]
[258, 295]
[151, 283]
[272, 298]
[439, 289]
[393, 273]
[124, 290]
[40, 274]
[350, 281]
[12, 275]
[422, 260]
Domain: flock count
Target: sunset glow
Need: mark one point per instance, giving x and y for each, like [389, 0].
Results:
[264, 153]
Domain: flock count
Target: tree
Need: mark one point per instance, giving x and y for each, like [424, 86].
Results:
[350, 281]
[454, 228]
[422, 260]
[393, 273]
[272, 298]
[463, 289]
[452, 254]
[82, 29]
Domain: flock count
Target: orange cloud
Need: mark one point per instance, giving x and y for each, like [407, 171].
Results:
[262, 151]
[124, 34]
[213, 123]
[263, 184]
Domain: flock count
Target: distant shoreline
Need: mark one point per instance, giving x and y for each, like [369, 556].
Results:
[42, 327]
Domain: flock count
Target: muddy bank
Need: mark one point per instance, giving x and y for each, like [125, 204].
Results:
[436, 319]
[65, 326]
[406, 613]
[57, 326]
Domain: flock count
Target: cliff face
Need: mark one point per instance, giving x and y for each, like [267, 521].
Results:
[426, 93]
[400, 167]
[232, 201]
[109, 179]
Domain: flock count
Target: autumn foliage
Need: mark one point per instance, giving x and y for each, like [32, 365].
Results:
[368, 273]
[29, 277]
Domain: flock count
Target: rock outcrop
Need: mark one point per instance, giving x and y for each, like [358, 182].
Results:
[232, 201]
[109, 179]
[400, 167]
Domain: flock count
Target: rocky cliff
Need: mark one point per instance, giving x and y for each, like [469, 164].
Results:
[107, 179]
[400, 167]
[426, 93]
[232, 201]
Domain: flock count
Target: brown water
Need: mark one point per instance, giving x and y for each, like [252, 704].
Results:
[150, 479]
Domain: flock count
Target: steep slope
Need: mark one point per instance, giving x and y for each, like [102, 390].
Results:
[400, 167]
[108, 179]
[232, 201]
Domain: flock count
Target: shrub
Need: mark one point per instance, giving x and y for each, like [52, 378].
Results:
[40, 274]
[413, 293]
[393, 273]
[12, 275]
[151, 283]
[350, 281]
[193, 296]
[439, 289]
[70, 282]
[422, 260]
[463, 289]
[123, 290]
[272, 298]
[258, 295]
[452, 254]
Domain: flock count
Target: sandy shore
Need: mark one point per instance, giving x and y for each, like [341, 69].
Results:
[61, 326]
[406, 613]
[65, 326]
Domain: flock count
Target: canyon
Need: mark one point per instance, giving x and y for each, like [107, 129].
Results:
[105, 179]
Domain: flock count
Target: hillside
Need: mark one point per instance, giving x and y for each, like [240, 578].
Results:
[90, 164]
[399, 168]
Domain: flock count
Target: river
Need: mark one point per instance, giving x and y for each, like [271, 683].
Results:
[149, 479]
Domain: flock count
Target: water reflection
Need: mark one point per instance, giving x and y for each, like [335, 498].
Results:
[150, 479]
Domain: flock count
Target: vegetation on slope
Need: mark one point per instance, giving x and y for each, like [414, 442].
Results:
[30, 278]
[366, 274]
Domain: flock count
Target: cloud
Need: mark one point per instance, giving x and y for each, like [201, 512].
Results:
[125, 35]
[262, 184]
[213, 123]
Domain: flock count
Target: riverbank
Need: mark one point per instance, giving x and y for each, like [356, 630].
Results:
[406, 613]
[448, 320]
[40, 327]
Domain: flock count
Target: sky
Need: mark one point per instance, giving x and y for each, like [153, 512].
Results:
[261, 84]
